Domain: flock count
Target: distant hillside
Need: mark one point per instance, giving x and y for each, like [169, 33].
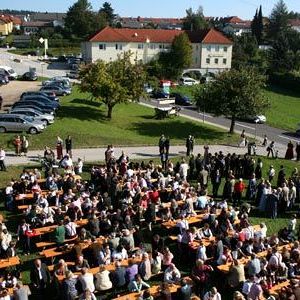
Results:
[15, 12]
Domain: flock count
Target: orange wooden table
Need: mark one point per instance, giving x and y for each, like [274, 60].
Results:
[9, 262]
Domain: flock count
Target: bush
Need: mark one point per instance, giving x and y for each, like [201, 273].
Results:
[289, 80]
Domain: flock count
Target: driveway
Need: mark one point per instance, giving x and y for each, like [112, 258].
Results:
[11, 92]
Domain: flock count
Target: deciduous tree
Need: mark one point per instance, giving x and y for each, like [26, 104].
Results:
[115, 82]
[234, 94]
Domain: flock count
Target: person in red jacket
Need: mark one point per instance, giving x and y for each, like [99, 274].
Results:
[239, 188]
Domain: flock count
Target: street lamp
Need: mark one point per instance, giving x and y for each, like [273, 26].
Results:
[45, 42]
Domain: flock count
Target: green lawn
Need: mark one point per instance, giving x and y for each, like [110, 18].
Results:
[51, 51]
[284, 111]
[132, 124]
[285, 108]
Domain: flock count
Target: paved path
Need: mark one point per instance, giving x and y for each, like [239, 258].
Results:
[145, 153]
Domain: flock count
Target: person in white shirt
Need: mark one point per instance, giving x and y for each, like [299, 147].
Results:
[201, 252]
[2, 157]
[183, 224]
[212, 295]
[9, 200]
[87, 280]
[172, 274]
[79, 166]
[247, 285]
[183, 169]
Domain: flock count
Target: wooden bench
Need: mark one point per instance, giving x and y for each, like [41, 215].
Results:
[44, 245]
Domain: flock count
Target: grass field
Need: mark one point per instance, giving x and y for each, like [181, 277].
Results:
[132, 124]
[285, 108]
[284, 111]
[51, 51]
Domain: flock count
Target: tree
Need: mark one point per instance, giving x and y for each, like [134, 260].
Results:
[257, 25]
[108, 12]
[115, 82]
[234, 94]
[194, 20]
[278, 21]
[181, 54]
[81, 21]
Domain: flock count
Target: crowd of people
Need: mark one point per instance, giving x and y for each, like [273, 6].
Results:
[125, 243]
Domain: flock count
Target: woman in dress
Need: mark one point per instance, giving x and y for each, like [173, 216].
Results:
[59, 148]
[289, 151]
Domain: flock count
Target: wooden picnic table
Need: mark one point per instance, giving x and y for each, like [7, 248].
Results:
[47, 229]
[30, 196]
[43, 180]
[244, 260]
[277, 287]
[53, 252]
[9, 262]
[111, 267]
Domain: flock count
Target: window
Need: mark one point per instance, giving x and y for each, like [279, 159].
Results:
[209, 48]
[224, 61]
[102, 46]
[225, 49]
[208, 60]
[152, 46]
[197, 48]
[217, 48]
[216, 61]
[196, 60]
[119, 47]
[140, 46]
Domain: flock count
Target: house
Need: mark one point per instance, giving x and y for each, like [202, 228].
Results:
[57, 19]
[6, 25]
[33, 27]
[235, 26]
[159, 23]
[212, 50]
[295, 24]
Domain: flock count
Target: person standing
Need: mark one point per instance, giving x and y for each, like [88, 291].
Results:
[1, 102]
[271, 149]
[298, 151]
[289, 151]
[40, 277]
[2, 158]
[59, 148]
[167, 147]
[68, 143]
[161, 143]
[17, 142]
[24, 145]
[189, 145]
[265, 141]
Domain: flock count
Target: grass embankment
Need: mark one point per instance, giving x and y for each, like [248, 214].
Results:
[51, 51]
[284, 111]
[132, 124]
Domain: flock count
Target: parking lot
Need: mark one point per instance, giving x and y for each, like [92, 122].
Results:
[12, 91]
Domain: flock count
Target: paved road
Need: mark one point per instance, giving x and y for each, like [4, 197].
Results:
[280, 136]
[42, 69]
[145, 153]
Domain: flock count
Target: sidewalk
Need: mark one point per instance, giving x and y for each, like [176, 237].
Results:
[143, 153]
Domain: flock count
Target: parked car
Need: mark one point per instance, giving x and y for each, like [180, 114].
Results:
[65, 80]
[159, 94]
[29, 76]
[8, 71]
[188, 81]
[3, 79]
[57, 90]
[181, 99]
[47, 119]
[34, 104]
[41, 99]
[35, 93]
[39, 110]
[14, 122]
[259, 119]
[73, 74]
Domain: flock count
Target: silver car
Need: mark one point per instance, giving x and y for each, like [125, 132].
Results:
[47, 119]
[15, 123]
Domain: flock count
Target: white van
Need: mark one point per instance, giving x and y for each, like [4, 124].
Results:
[8, 71]
[188, 81]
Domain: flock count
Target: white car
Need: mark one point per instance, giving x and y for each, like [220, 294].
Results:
[188, 81]
[258, 119]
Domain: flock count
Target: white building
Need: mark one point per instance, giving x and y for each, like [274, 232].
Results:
[212, 51]
[235, 26]
[295, 24]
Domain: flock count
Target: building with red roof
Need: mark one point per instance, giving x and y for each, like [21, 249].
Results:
[212, 50]
[235, 26]
[295, 24]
